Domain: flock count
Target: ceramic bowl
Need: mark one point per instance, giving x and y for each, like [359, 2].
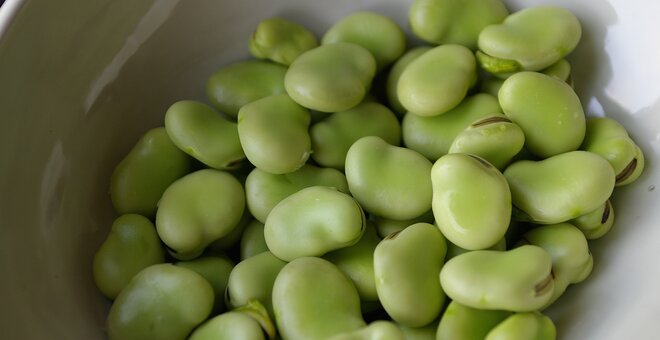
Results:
[81, 80]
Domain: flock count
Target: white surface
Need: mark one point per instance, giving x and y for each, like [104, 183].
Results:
[80, 80]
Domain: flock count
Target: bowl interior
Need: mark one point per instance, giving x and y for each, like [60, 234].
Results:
[80, 81]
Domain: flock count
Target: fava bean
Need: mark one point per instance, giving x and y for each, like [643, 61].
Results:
[451, 22]
[406, 266]
[561, 187]
[278, 150]
[197, 210]
[554, 122]
[433, 136]
[471, 201]
[492, 85]
[131, 246]
[466, 323]
[586, 271]
[517, 280]
[609, 139]
[530, 39]
[597, 223]
[252, 240]
[386, 226]
[387, 180]
[333, 136]
[228, 241]
[357, 262]
[241, 83]
[216, 271]
[331, 78]
[203, 134]
[370, 306]
[524, 326]
[229, 326]
[567, 247]
[377, 330]
[161, 302]
[379, 34]
[395, 74]
[494, 138]
[281, 40]
[437, 81]
[560, 70]
[568, 250]
[148, 169]
[454, 250]
[326, 174]
[420, 333]
[312, 222]
[264, 190]
[252, 279]
[313, 299]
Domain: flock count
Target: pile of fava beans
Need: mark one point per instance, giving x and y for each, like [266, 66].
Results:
[453, 197]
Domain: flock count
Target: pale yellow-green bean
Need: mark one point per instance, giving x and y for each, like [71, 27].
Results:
[313, 300]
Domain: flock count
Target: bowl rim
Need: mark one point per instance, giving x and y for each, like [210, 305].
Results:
[8, 12]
